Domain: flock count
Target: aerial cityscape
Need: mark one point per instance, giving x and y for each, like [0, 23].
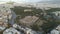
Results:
[29, 17]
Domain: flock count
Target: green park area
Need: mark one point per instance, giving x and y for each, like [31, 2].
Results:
[47, 25]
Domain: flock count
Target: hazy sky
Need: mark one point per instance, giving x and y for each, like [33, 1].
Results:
[26, 0]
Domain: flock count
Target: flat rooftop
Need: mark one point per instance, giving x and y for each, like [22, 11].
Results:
[29, 19]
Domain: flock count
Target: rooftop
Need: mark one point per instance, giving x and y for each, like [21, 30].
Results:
[11, 31]
[29, 19]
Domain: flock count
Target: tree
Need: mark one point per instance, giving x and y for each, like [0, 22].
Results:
[47, 27]
[35, 27]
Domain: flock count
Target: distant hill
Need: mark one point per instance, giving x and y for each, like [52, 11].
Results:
[51, 2]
